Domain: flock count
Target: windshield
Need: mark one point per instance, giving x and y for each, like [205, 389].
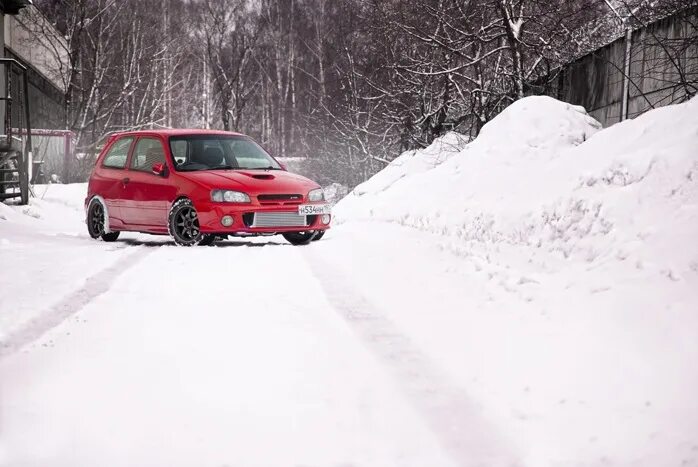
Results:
[219, 152]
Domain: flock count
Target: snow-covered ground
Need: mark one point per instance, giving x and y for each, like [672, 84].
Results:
[527, 299]
[44, 254]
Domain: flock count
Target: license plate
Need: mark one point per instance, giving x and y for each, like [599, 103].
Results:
[313, 209]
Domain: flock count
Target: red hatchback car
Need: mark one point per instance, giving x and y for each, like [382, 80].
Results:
[197, 186]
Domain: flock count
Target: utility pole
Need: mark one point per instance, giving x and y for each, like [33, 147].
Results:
[625, 23]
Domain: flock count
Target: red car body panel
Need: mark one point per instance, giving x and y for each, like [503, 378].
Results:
[140, 201]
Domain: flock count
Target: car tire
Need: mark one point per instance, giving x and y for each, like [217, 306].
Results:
[207, 240]
[320, 234]
[300, 238]
[110, 237]
[183, 223]
[96, 220]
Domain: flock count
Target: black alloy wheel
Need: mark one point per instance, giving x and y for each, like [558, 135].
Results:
[96, 221]
[183, 224]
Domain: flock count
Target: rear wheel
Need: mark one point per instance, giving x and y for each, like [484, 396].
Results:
[183, 225]
[96, 222]
[300, 238]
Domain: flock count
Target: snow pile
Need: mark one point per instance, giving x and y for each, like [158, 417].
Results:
[54, 209]
[413, 162]
[335, 191]
[570, 308]
[503, 172]
[542, 175]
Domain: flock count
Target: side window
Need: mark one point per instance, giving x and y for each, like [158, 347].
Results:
[118, 153]
[179, 150]
[148, 151]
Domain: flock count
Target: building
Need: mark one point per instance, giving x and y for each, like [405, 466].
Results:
[32, 97]
[32, 40]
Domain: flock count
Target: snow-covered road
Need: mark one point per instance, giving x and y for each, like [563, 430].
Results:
[350, 351]
[249, 353]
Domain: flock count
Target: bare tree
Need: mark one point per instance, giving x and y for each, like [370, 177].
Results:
[230, 32]
[346, 84]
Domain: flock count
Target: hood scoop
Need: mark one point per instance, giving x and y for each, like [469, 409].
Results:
[258, 175]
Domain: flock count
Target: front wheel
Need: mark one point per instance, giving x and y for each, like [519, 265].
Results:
[207, 240]
[320, 234]
[183, 223]
[300, 238]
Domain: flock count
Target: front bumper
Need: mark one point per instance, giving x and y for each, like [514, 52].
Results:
[210, 215]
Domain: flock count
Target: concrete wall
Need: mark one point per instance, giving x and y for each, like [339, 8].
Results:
[653, 75]
[661, 58]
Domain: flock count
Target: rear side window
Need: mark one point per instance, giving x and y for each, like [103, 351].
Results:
[148, 151]
[118, 153]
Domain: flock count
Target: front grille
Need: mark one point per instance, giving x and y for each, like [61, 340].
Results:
[279, 219]
[275, 199]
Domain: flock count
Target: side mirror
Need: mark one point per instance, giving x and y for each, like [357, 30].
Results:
[283, 166]
[159, 169]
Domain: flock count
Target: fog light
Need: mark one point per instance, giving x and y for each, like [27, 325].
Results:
[227, 221]
[325, 219]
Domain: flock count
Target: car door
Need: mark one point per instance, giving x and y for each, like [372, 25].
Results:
[109, 178]
[148, 195]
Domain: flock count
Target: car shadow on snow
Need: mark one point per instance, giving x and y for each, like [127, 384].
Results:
[218, 244]
[230, 243]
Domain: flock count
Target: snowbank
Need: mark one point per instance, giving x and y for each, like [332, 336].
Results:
[505, 170]
[413, 162]
[570, 308]
[54, 209]
[542, 175]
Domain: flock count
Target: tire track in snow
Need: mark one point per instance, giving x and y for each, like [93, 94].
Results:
[94, 286]
[453, 417]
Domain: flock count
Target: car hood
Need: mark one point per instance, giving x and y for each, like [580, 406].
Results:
[252, 181]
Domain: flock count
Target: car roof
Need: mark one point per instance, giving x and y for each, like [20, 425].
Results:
[176, 132]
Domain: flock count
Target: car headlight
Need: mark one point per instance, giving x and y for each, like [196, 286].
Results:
[316, 195]
[229, 196]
